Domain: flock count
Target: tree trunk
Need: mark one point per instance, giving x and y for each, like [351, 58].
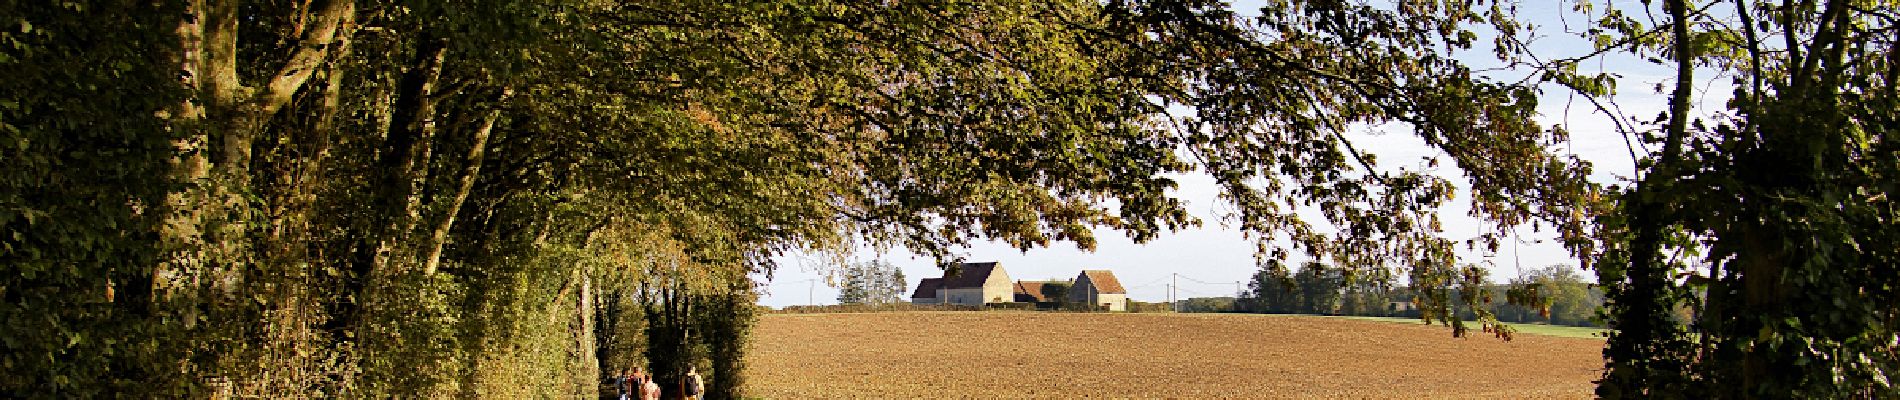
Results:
[183, 224]
[1762, 293]
[222, 109]
[472, 168]
[1639, 352]
[584, 341]
[399, 164]
[403, 162]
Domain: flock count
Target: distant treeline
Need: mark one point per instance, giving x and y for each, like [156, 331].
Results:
[1555, 295]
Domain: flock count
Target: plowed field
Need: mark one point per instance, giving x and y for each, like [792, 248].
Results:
[1051, 355]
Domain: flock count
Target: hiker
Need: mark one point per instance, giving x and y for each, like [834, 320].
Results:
[622, 384]
[692, 385]
[637, 385]
[651, 390]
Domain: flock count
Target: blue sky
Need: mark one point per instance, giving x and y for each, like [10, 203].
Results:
[1212, 258]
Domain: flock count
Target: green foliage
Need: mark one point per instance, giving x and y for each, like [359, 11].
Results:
[1771, 221]
[1314, 289]
[1554, 294]
[1523, 328]
[899, 285]
[1139, 307]
[1274, 98]
[1319, 289]
[1208, 305]
[82, 180]
[1010, 306]
[727, 322]
[1271, 290]
[412, 341]
[1360, 296]
[1056, 291]
[1557, 290]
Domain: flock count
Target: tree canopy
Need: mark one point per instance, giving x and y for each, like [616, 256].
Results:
[515, 198]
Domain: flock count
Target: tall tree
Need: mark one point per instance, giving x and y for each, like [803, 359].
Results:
[871, 282]
[856, 286]
[1770, 218]
[1556, 294]
[1319, 288]
[1272, 290]
[898, 285]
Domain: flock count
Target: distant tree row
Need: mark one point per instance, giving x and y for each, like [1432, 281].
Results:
[1312, 289]
[1555, 294]
[873, 282]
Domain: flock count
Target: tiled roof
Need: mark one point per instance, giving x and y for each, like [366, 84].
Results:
[1105, 282]
[1030, 292]
[928, 288]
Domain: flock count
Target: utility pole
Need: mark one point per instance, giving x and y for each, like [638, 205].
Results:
[810, 289]
[1174, 292]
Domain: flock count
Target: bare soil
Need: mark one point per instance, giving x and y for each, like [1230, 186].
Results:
[1067, 355]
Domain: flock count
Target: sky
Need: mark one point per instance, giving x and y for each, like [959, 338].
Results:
[1212, 260]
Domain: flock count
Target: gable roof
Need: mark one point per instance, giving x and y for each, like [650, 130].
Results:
[1030, 292]
[928, 288]
[1104, 282]
[971, 275]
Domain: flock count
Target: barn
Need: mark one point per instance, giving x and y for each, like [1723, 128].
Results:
[1099, 287]
[972, 284]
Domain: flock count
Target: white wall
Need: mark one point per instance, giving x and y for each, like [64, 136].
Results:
[999, 288]
[967, 296]
[1115, 302]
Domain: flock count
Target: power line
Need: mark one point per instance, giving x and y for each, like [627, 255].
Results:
[777, 281]
[1150, 283]
[1194, 292]
[811, 289]
[1201, 281]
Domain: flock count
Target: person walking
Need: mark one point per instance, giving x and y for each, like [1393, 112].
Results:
[623, 383]
[651, 390]
[692, 385]
[637, 384]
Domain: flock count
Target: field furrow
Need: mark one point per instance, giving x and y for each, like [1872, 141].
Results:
[1063, 355]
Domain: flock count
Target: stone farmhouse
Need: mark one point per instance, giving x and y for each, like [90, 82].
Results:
[1099, 287]
[983, 283]
[974, 284]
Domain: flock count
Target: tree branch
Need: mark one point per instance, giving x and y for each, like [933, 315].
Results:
[336, 16]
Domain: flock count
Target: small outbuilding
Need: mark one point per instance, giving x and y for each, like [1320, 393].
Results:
[1030, 292]
[1099, 288]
